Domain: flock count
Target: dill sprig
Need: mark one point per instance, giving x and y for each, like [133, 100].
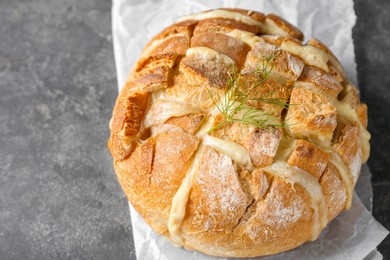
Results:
[233, 105]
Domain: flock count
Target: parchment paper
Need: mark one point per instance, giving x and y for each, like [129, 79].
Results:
[354, 234]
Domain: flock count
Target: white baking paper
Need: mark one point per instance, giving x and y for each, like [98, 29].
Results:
[354, 234]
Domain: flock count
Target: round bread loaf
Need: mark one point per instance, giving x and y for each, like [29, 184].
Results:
[233, 138]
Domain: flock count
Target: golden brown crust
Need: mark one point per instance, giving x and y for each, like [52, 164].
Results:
[128, 113]
[216, 200]
[261, 143]
[283, 210]
[361, 110]
[311, 115]
[285, 26]
[334, 191]
[270, 98]
[309, 157]
[258, 183]
[207, 70]
[177, 45]
[144, 173]
[285, 66]
[321, 80]
[224, 25]
[240, 190]
[349, 146]
[182, 28]
[230, 46]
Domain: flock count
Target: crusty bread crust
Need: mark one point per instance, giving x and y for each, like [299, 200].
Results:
[241, 190]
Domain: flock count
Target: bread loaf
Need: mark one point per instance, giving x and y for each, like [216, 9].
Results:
[233, 138]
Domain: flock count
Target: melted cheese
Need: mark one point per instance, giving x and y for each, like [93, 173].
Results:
[246, 37]
[345, 109]
[221, 14]
[235, 151]
[285, 149]
[293, 175]
[345, 175]
[310, 54]
[179, 201]
[162, 110]
[205, 53]
[163, 95]
[270, 27]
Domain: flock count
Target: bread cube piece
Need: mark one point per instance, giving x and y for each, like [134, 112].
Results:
[309, 157]
[311, 55]
[321, 80]
[152, 73]
[230, 46]
[334, 190]
[205, 67]
[282, 65]
[311, 115]
[269, 96]
[145, 171]
[175, 44]
[261, 143]
[216, 201]
[126, 122]
[348, 144]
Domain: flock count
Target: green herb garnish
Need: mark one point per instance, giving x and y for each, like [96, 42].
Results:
[233, 105]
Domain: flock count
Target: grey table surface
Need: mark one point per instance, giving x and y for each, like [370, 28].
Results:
[59, 198]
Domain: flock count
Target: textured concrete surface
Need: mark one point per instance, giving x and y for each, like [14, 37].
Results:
[59, 198]
[372, 47]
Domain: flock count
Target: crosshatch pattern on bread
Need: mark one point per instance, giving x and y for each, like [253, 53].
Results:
[240, 189]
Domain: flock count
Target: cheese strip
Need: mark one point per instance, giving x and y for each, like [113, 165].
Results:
[310, 54]
[235, 151]
[246, 37]
[162, 110]
[179, 201]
